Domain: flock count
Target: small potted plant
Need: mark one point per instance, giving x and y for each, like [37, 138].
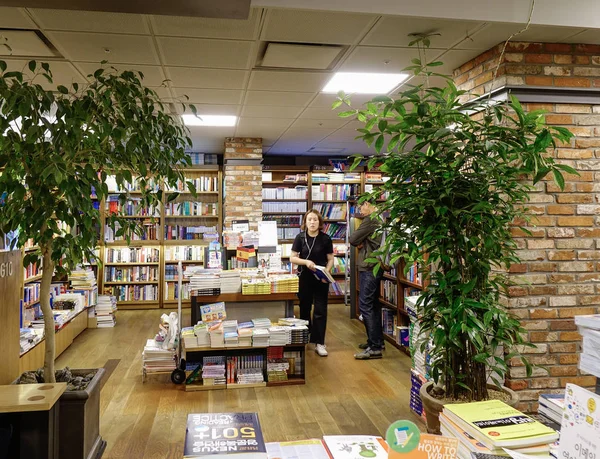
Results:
[57, 150]
[460, 171]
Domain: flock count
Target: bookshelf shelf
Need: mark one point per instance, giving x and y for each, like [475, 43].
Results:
[184, 242]
[140, 263]
[32, 279]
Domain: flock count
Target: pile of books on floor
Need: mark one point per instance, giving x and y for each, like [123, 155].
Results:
[489, 426]
[29, 338]
[155, 359]
[550, 409]
[589, 328]
[106, 309]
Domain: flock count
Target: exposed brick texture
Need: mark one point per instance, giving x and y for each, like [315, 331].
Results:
[243, 184]
[560, 272]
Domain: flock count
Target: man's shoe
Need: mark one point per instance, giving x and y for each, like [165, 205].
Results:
[320, 349]
[366, 346]
[368, 354]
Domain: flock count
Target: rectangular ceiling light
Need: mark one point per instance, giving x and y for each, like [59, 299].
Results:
[364, 83]
[209, 120]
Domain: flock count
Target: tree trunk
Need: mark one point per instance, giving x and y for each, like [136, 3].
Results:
[49, 336]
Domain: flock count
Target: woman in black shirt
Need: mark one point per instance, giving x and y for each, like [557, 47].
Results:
[312, 247]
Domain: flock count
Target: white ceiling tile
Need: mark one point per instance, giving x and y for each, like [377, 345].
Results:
[91, 47]
[349, 148]
[15, 18]
[186, 77]
[290, 147]
[266, 111]
[163, 92]
[210, 135]
[394, 31]
[210, 96]
[264, 124]
[315, 26]
[589, 36]
[241, 29]
[90, 21]
[279, 98]
[383, 60]
[265, 132]
[200, 52]
[321, 114]
[295, 56]
[305, 123]
[344, 135]
[63, 73]
[325, 100]
[268, 80]
[153, 74]
[215, 109]
[24, 43]
[313, 135]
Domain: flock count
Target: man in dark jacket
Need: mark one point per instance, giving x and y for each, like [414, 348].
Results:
[368, 303]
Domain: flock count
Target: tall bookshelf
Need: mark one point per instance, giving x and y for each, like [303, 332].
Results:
[285, 199]
[143, 274]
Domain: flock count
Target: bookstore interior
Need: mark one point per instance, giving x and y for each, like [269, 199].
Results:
[205, 290]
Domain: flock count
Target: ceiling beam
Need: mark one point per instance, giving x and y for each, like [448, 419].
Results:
[229, 9]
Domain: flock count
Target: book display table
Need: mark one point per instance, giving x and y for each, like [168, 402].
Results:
[244, 307]
[29, 420]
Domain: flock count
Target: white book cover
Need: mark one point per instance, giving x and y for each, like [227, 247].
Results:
[589, 321]
[580, 428]
[354, 446]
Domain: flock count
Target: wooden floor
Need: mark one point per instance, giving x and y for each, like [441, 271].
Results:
[147, 420]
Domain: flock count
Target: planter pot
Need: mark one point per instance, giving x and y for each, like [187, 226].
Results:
[78, 429]
[79, 420]
[433, 406]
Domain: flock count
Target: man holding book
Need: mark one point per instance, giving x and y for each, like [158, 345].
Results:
[368, 304]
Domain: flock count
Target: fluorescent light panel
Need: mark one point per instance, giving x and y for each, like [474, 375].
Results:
[364, 83]
[209, 120]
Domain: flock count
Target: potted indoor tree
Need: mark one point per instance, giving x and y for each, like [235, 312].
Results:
[460, 171]
[57, 149]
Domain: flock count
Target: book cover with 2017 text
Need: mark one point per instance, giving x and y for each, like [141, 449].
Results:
[224, 435]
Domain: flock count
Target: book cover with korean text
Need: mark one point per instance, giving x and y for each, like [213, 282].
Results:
[221, 435]
[580, 428]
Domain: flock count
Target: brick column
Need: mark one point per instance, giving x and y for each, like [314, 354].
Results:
[243, 180]
[561, 269]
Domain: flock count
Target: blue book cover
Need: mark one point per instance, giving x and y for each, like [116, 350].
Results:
[221, 435]
[322, 274]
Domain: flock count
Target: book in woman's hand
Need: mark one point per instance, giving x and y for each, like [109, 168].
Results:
[321, 273]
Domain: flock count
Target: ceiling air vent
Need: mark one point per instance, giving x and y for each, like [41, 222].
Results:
[25, 43]
[294, 56]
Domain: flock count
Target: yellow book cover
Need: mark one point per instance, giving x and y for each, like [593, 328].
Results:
[498, 425]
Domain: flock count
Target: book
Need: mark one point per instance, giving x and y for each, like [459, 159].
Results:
[354, 446]
[213, 311]
[580, 428]
[224, 435]
[589, 321]
[322, 274]
[305, 449]
[498, 425]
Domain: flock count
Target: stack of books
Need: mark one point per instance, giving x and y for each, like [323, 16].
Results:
[589, 328]
[284, 283]
[256, 286]
[231, 282]
[106, 309]
[29, 338]
[217, 337]
[279, 336]
[205, 281]
[260, 337]
[213, 371]
[489, 426]
[202, 335]
[82, 278]
[550, 409]
[188, 337]
[155, 359]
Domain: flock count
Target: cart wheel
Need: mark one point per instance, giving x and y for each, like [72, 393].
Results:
[178, 376]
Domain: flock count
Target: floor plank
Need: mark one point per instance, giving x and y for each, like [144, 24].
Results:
[147, 420]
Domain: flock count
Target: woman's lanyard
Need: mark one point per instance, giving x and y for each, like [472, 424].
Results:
[310, 247]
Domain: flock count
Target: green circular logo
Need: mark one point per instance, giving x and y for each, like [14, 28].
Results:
[403, 436]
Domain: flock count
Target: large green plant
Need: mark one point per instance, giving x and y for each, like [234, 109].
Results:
[460, 176]
[58, 147]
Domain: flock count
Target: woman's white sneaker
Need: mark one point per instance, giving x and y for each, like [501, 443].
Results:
[320, 349]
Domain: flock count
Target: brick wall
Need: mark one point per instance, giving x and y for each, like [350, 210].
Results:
[243, 182]
[560, 261]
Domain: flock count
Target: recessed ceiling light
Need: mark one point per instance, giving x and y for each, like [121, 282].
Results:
[364, 83]
[209, 120]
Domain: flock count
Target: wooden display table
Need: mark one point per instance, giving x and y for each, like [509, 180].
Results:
[30, 412]
[273, 306]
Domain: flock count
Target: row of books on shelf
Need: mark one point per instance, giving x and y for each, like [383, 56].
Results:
[332, 192]
[389, 291]
[181, 232]
[201, 159]
[207, 183]
[133, 292]
[335, 230]
[131, 207]
[133, 254]
[149, 232]
[192, 209]
[331, 211]
[339, 266]
[131, 274]
[284, 207]
[336, 176]
[284, 219]
[287, 233]
[298, 192]
[32, 270]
